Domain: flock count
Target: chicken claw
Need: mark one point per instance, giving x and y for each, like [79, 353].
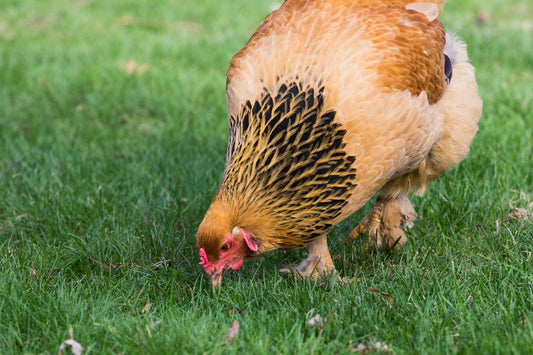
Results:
[383, 224]
[318, 263]
[370, 224]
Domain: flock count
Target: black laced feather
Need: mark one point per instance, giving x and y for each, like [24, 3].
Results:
[286, 158]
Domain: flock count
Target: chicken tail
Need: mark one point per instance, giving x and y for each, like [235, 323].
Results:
[430, 8]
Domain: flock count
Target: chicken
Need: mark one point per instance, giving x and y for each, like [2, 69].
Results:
[330, 103]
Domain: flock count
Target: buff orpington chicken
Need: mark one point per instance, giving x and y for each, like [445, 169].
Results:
[330, 103]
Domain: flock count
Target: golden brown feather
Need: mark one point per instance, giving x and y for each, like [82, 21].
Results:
[329, 103]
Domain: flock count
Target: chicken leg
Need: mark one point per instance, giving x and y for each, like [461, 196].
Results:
[384, 223]
[317, 264]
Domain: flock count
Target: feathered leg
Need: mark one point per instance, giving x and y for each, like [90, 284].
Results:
[384, 223]
[317, 264]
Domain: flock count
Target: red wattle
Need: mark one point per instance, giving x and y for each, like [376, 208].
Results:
[237, 265]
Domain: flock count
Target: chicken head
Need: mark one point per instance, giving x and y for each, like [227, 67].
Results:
[230, 255]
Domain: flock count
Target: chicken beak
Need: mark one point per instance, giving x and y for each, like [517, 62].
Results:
[216, 279]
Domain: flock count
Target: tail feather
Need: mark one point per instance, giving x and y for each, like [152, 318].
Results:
[430, 8]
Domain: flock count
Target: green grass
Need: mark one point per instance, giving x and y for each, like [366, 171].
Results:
[104, 178]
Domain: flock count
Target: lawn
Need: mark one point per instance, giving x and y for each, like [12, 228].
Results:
[112, 142]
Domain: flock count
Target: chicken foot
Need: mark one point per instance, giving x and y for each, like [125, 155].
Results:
[383, 224]
[317, 264]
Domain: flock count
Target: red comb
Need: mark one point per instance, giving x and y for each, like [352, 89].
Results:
[204, 261]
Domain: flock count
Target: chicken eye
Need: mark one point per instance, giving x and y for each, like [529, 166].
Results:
[225, 247]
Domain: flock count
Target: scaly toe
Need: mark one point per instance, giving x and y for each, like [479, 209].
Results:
[357, 232]
[309, 268]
